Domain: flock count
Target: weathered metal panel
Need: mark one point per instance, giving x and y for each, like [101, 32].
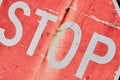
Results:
[92, 16]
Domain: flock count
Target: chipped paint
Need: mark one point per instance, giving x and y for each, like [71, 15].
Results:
[88, 14]
[52, 11]
[74, 7]
[102, 21]
[1, 1]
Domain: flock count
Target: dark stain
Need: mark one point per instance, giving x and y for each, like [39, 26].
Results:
[9, 47]
[93, 10]
[42, 36]
[39, 47]
[77, 44]
[57, 31]
[67, 9]
[4, 68]
[16, 66]
[47, 33]
[88, 78]
[37, 54]
[55, 35]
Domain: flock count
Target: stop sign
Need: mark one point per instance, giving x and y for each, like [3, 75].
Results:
[59, 40]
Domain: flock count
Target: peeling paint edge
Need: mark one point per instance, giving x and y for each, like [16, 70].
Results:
[102, 21]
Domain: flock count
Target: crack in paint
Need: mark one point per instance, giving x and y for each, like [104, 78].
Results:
[102, 21]
[3, 70]
[62, 20]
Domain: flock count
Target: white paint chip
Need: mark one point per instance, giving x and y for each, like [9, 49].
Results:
[52, 11]
[1, 2]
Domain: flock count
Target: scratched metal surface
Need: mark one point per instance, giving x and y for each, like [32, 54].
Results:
[91, 15]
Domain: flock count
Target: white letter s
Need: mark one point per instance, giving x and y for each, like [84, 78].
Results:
[16, 22]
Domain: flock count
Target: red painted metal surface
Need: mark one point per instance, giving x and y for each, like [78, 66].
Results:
[90, 15]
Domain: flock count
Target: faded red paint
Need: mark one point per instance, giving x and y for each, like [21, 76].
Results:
[16, 65]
